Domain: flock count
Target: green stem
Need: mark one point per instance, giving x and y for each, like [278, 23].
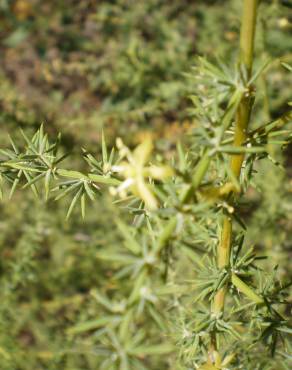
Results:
[242, 120]
[247, 33]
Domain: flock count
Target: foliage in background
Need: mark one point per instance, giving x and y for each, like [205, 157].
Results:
[80, 65]
[123, 70]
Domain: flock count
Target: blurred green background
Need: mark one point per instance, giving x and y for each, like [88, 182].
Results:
[122, 65]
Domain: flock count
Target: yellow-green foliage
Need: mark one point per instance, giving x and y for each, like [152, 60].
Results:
[108, 258]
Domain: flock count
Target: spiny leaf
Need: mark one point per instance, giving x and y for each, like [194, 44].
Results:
[94, 324]
[68, 190]
[158, 349]
[73, 202]
[34, 180]
[130, 241]
[260, 70]
[104, 148]
[47, 183]
[245, 289]
[83, 204]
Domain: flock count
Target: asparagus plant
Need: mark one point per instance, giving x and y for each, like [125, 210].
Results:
[218, 310]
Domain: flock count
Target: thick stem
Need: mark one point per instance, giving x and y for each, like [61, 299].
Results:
[247, 33]
[247, 36]
[223, 261]
[242, 119]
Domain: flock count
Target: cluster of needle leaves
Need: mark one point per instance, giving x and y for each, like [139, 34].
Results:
[155, 311]
[167, 213]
